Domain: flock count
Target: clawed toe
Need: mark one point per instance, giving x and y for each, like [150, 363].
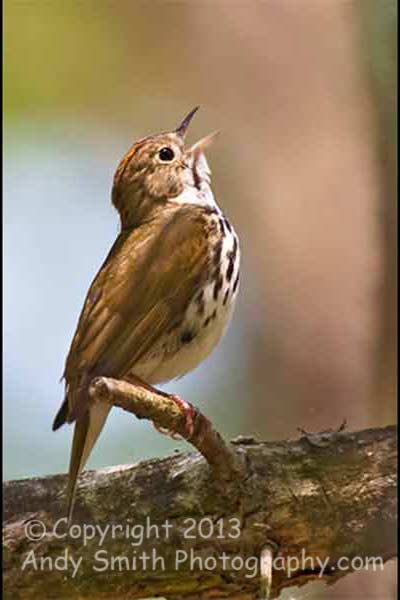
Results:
[188, 411]
[167, 432]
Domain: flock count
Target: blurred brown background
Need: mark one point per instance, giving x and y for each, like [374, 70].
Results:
[304, 93]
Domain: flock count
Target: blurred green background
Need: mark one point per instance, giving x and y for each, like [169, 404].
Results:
[304, 95]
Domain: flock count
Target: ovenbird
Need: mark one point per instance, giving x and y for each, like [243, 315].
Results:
[165, 293]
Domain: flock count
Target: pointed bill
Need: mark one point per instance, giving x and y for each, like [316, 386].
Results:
[181, 130]
[202, 144]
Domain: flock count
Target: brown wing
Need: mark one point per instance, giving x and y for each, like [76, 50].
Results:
[145, 284]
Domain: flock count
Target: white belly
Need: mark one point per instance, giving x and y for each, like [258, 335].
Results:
[190, 355]
[175, 358]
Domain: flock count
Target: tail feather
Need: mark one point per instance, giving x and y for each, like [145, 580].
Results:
[86, 432]
[61, 416]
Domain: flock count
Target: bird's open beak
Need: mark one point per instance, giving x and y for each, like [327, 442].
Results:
[181, 130]
[201, 145]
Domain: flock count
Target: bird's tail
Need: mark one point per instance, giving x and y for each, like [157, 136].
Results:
[87, 430]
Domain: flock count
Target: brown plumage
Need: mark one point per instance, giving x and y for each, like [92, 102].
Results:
[137, 318]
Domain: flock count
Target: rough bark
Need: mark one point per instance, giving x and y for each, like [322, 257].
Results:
[325, 495]
[170, 416]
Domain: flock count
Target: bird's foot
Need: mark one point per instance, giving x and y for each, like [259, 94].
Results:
[189, 412]
[167, 432]
[184, 406]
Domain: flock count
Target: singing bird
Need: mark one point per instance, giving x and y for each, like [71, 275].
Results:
[165, 293]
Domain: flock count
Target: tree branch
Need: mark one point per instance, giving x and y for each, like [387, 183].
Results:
[164, 413]
[177, 528]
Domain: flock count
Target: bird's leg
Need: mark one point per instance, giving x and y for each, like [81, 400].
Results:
[185, 407]
[188, 411]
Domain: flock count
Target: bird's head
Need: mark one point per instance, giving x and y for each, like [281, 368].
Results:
[160, 169]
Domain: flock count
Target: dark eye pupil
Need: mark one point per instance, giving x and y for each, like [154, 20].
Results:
[166, 154]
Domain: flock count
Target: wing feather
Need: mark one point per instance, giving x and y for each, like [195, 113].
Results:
[146, 282]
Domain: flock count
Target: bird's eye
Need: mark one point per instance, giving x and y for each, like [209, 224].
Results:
[166, 154]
